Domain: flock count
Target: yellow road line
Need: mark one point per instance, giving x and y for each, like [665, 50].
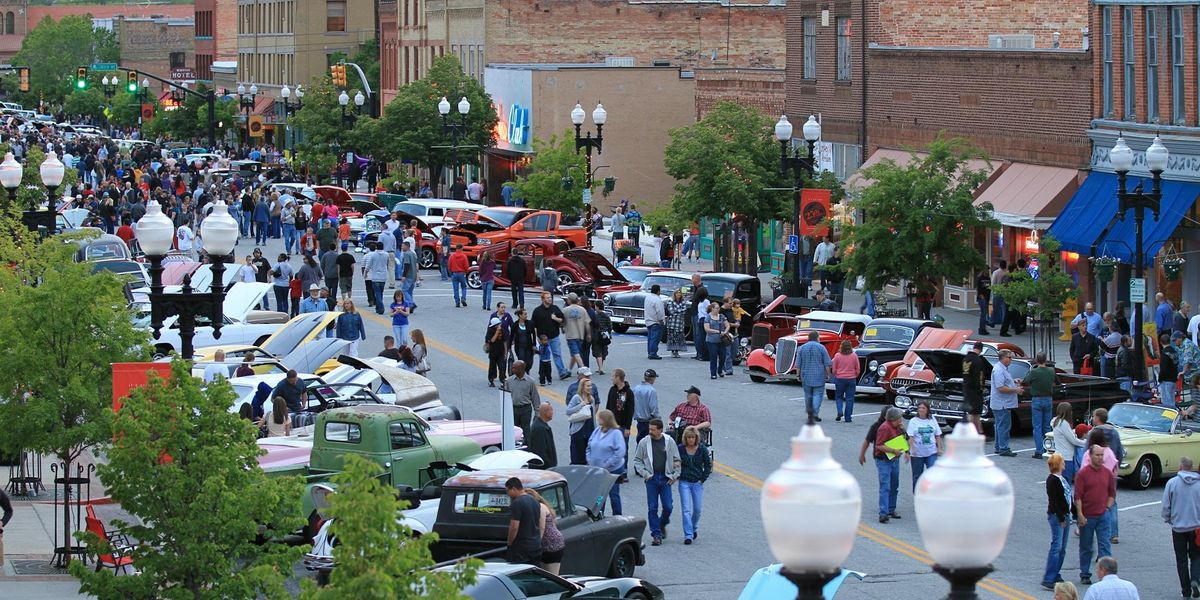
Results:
[895, 544]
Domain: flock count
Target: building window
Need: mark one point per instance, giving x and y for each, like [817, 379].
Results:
[1129, 79]
[1107, 74]
[1152, 65]
[1178, 110]
[335, 15]
[10, 23]
[810, 48]
[178, 60]
[844, 56]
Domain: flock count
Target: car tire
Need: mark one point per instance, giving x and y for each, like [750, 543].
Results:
[491, 449]
[620, 328]
[428, 258]
[473, 281]
[623, 562]
[1144, 473]
[565, 279]
[164, 351]
[757, 378]
[636, 595]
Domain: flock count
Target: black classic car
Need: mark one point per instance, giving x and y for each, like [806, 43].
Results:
[473, 518]
[1084, 392]
[627, 309]
[503, 581]
[883, 340]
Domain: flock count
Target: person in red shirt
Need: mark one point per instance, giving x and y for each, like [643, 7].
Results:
[308, 243]
[295, 291]
[887, 462]
[125, 231]
[458, 274]
[1095, 492]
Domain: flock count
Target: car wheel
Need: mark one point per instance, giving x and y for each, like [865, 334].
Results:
[1144, 474]
[473, 281]
[491, 449]
[623, 563]
[757, 378]
[428, 258]
[620, 328]
[637, 596]
[565, 279]
[163, 351]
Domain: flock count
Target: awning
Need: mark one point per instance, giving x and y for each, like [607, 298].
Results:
[902, 158]
[1092, 210]
[1030, 196]
[264, 106]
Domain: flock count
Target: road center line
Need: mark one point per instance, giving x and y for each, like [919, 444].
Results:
[1139, 506]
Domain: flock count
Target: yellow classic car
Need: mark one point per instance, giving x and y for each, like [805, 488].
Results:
[1154, 437]
[296, 332]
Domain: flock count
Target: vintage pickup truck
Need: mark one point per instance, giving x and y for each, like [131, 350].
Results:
[495, 226]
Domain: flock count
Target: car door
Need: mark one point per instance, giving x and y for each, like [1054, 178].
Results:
[410, 452]
[537, 584]
[576, 527]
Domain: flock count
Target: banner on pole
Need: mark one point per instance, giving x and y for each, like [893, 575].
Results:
[814, 212]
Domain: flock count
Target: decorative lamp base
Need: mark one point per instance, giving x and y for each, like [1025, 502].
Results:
[39, 220]
[810, 585]
[962, 581]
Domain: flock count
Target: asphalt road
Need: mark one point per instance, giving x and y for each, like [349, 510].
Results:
[753, 425]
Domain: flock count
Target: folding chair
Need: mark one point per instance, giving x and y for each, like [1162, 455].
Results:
[121, 549]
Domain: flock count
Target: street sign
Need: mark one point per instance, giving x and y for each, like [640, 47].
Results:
[587, 196]
[1137, 289]
[793, 244]
[104, 66]
[184, 74]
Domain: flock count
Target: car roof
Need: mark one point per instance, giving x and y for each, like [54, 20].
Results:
[496, 478]
[828, 315]
[914, 323]
[726, 276]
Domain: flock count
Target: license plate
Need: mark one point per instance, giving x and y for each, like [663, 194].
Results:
[628, 321]
[940, 419]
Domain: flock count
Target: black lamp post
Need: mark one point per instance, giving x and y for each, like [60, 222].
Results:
[42, 221]
[290, 108]
[246, 102]
[1121, 157]
[456, 131]
[143, 92]
[599, 117]
[109, 86]
[801, 167]
[11, 172]
[219, 232]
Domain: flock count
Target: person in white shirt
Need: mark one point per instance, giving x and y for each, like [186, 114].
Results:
[824, 252]
[184, 240]
[217, 367]
[656, 321]
[474, 191]
[1110, 587]
[1193, 329]
[247, 273]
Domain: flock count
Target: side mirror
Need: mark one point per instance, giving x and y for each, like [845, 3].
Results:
[518, 227]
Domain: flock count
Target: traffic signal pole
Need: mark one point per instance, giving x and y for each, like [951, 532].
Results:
[210, 98]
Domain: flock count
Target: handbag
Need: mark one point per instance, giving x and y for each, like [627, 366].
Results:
[581, 416]
[423, 366]
[726, 339]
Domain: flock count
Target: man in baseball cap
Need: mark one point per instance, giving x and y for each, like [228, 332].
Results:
[692, 412]
[645, 403]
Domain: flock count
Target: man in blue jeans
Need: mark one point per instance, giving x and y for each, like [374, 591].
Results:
[813, 368]
[1041, 386]
[1095, 492]
[656, 461]
[655, 313]
[887, 462]
[1003, 401]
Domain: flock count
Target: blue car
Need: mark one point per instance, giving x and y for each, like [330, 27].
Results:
[768, 584]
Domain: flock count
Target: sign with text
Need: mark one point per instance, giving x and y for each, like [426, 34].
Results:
[182, 74]
[103, 67]
[1137, 289]
[814, 212]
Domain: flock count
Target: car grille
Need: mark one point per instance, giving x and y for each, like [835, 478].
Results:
[785, 355]
[622, 312]
[899, 382]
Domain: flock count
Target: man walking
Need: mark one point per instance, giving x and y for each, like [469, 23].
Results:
[577, 329]
[375, 267]
[1111, 587]
[514, 269]
[1092, 320]
[824, 252]
[983, 296]
[524, 525]
[1181, 510]
[329, 270]
[1162, 314]
[999, 309]
[813, 368]
[699, 294]
[409, 269]
[656, 461]
[458, 265]
[281, 279]
[656, 321]
[1084, 348]
[887, 462]
[525, 399]
[1041, 380]
[645, 403]
[541, 437]
[1095, 492]
[1003, 401]
[548, 321]
[314, 302]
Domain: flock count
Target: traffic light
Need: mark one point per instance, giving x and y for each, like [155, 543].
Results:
[23, 79]
[338, 72]
[132, 84]
[81, 81]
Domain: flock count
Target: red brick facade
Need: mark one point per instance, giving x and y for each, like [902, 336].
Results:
[760, 88]
[1166, 14]
[969, 23]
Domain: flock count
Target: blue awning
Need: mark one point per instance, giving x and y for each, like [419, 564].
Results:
[1093, 207]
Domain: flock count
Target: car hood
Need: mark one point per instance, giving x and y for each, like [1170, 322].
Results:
[472, 429]
[410, 389]
[933, 338]
[596, 265]
[310, 356]
[202, 277]
[339, 196]
[589, 486]
[945, 364]
[767, 583]
[244, 297]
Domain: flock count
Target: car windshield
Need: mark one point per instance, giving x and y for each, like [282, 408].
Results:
[503, 217]
[1141, 416]
[834, 326]
[892, 334]
[411, 208]
[634, 275]
[285, 340]
[718, 289]
[667, 285]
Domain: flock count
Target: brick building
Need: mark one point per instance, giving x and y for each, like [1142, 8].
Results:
[157, 46]
[422, 30]
[216, 35]
[18, 16]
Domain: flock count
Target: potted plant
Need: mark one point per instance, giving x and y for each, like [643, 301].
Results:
[1105, 267]
[626, 253]
[1172, 268]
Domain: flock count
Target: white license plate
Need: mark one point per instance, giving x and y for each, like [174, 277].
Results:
[628, 321]
[941, 420]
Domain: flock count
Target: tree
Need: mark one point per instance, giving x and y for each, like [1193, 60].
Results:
[1048, 293]
[86, 103]
[415, 126]
[53, 49]
[318, 127]
[186, 466]
[58, 339]
[920, 218]
[367, 59]
[377, 556]
[32, 192]
[543, 187]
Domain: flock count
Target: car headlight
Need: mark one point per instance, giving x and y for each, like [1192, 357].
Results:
[873, 366]
[903, 402]
[769, 350]
[608, 300]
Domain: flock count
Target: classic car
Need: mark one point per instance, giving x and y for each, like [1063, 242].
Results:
[96, 245]
[577, 269]
[433, 211]
[912, 369]
[308, 358]
[636, 273]
[302, 328]
[473, 518]
[1155, 437]
[128, 271]
[778, 361]
[237, 326]
[627, 309]
[339, 197]
[1084, 392]
[768, 584]
[427, 255]
[504, 581]
[882, 341]
[498, 224]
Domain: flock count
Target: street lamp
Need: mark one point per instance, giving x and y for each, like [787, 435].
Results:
[290, 108]
[110, 86]
[1121, 157]
[144, 91]
[802, 167]
[11, 172]
[219, 233]
[457, 131]
[810, 511]
[52, 171]
[599, 117]
[246, 101]
[964, 507]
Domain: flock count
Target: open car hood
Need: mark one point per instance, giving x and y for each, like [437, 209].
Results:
[242, 298]
[596, 265]
[307, 358]
[411, 390]
[589, 486]
[472, 221]
[932, 338]
[338, 196]
[946, 364]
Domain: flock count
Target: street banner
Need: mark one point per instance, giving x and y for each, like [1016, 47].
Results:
[128, 376]
[255, 125]
[814, 212]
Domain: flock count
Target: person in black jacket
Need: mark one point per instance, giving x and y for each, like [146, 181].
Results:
[514, 270]
[1124, 363]
[1168, 371]
[620, 402]
[1084, 346]
[547, 321]
[699, 294]
[541, 437]
[1058, 512]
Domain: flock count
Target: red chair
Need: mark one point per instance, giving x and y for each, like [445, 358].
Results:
[120, 558]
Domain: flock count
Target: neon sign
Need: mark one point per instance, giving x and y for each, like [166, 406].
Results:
[518, 125]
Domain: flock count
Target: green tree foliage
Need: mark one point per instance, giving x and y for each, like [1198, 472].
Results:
[543, 186]
[32, 192]
[86, 103]
[318, 127]
[189, 122]
[367, 58]
[186, 466]
[54, 49]
[415, 126]
[920, 218]
[1053, 287]
[378, 557]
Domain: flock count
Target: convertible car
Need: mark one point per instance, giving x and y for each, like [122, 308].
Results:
[883, 340]
[627, 309]
[1084, 392]
[778, 361]
[238, 327]
[1155, 438]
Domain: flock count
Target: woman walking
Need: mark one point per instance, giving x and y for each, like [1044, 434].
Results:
[581, 414]
[601, 336]
[676, 309]
[524, 340]
[715, 325]
[695, 467]
[419, 351]
[350, 326]
[1068, 444]
[606, 449]
[400, 310]
[1058, 513]
[497, 348]
[924, 441]
[553, 543]
[845, 377]
[487, 277]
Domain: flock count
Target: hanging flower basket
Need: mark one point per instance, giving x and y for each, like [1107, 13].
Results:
[1105, 267]
[1172, 268]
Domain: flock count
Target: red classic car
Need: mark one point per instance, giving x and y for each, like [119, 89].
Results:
[502, 224]
[348, 206]
[777, 361]
[913, 370]
[572, 266]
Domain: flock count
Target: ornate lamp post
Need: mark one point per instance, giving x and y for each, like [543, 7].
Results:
[801, 167]
[246, 102]
[52, 171]
[810, 510]
[11, 172]
[109, 86]
[964, 507]
[456, 131]
[599, 117]
[290, 108]
[219, 232]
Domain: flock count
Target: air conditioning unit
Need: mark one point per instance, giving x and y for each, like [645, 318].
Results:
[658, 62]
[619, 61]
[1018, 41]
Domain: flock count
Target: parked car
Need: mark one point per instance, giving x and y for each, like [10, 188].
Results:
[883, 340]
[433, 211]
[100, 246]
[778, 361]
[236, 325]
[1155, 437]
[912, 369]
[128, 271]
[427, 255]
[339, 197]
[302, 328]
[503, 581]
[576, 269]
[1084, 392]
[473, 518]
[501, 224]
[627, 309]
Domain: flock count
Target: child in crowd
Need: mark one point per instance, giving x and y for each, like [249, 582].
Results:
[544, 371]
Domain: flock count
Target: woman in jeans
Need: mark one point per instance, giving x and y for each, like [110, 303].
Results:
[695, 467]
[487, 277]
[350, 327]
[715, 324]
[581, 427]
[1058, 513]
[606, 449]
[1068, 444]
[400, 311]
[846, 371]
[924, 441]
